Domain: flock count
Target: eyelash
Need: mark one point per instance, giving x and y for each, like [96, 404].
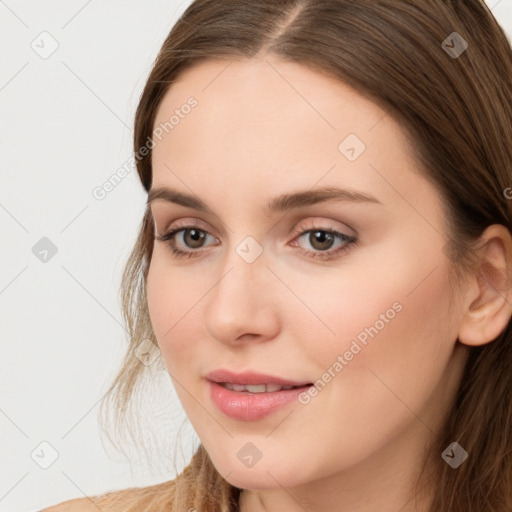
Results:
[324, 255]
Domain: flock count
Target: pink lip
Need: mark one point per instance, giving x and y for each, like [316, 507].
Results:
[242, 405]
[245, 406]
[251, 378]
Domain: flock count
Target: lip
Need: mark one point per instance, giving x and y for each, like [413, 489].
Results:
[223, 375]
[245, 406]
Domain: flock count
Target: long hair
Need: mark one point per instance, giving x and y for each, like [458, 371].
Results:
[457, 113]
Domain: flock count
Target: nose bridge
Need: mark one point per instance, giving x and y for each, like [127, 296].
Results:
[244, 258]
[240, 301]
[242, 273]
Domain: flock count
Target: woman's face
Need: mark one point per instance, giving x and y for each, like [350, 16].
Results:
[369, 324]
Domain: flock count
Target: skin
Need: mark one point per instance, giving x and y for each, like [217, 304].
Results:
[257, 133]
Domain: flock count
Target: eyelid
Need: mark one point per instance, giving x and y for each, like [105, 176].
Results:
[165, 211]
[184, 223]
[323, 224]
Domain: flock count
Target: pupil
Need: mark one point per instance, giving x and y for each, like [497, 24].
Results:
[322, 237]
[196, 236]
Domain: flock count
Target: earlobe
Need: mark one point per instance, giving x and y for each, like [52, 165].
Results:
[489, 297]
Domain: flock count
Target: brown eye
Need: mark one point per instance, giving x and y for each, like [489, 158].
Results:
[322, 243]
[193, 238]
[321, 240]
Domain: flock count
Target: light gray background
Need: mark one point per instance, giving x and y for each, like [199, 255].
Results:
[66, 128]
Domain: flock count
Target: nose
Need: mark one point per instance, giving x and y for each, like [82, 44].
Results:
[242, 305]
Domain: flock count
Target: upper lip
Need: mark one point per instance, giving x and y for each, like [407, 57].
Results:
[251, 378]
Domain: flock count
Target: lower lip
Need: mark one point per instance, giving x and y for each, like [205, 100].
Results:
[245, 406]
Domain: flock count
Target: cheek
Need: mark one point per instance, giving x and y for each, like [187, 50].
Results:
[166, 298]
[395, 376]
[396, 340]
[176, 302]
[389, 302]
[384, 310]
[376, 305]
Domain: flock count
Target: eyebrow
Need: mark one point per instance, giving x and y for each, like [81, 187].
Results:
[281, 203]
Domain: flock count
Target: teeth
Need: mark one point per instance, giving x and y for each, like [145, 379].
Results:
[255, 388]
[274, 387]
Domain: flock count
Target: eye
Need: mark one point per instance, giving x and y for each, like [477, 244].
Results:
[320, 238]
[191, 235]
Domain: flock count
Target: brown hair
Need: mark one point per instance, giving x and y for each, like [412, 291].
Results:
[457, 113]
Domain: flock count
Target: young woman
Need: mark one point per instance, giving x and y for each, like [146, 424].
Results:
[324, 262]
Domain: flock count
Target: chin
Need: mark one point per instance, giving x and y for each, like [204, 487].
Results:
[262, 476]
[258, 480]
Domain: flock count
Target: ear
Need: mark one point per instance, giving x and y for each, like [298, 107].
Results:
[489, 294]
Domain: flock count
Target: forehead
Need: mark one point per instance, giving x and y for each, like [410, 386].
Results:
[267, 95]
[270, 124]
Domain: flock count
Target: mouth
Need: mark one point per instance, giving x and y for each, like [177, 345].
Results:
[253, 382]
[259, 388]
[253, 402]
[252, 396]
